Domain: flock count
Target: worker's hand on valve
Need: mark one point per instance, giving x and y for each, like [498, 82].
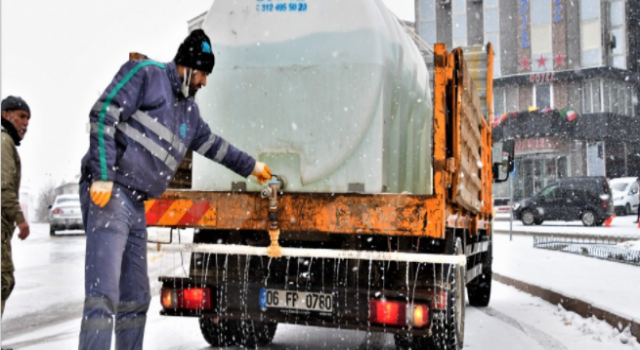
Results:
[262, 172]
[101, 192]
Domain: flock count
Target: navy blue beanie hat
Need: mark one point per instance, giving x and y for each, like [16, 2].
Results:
[15, 103]
[195, 52]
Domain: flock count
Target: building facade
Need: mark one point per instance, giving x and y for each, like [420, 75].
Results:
[579, 56]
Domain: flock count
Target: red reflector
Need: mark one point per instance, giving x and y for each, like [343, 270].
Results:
[440, 300]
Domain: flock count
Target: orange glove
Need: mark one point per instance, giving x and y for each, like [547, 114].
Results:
[262, 172]
[101, 192]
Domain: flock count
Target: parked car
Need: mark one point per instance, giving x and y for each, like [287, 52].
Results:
[502, 205]
[65, 214]
[625, 195]
[577, 198]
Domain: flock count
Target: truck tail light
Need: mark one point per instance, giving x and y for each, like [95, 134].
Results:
[186, 299]
[168, 298]
[418, 315]
[58, 211]
[398, 313]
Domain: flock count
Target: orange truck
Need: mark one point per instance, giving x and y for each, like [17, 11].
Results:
[397, 263]
[380, 217]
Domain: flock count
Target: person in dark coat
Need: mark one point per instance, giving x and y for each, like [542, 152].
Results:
[140, 130]
[15, 121]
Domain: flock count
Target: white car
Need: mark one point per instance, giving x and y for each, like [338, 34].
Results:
[502, 205]
[65, 214]
[625, 195]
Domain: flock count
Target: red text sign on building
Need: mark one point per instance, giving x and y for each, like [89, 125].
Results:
[542, 78]
[537, 144]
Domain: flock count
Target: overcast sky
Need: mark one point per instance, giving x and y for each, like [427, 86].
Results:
[59, 55]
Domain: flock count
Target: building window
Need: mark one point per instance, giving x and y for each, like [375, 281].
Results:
[591, 97]
[543, 96]
[427, 25]
[596, 90]
[459, 23]
[606, 96]
[492, 32]
[512, 99]
[590, 33]
[541, 33]
[499, 100]
[618, 31]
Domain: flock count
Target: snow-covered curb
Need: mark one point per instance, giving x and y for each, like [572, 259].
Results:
[584, 308]
[578, 236]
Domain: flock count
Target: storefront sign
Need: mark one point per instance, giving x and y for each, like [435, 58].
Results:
[542, 78]
[533, 145]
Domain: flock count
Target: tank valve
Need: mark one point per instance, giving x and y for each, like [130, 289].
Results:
[270, 192]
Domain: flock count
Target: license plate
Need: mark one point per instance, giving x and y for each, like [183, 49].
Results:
[288, 299]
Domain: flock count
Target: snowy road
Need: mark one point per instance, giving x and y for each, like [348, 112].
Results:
[44, 312]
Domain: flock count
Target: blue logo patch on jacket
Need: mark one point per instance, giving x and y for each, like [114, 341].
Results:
[183, 130]
[206, 48]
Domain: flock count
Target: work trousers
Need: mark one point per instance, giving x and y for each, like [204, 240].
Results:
[8, 280]
[116, 279]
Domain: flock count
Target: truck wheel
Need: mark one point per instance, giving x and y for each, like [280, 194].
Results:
[447, 327]
[479, 290]
[448, 331]
[52, 231]
[588, 218]
[528, 218]
[221, 334]
[253, 334]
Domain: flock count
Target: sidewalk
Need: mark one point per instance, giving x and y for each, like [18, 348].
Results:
[608, 285]
[621, 226]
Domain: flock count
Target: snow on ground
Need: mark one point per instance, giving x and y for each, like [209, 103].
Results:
[610, 285]
[633, 245]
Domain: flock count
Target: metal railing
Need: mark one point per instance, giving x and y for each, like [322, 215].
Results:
[601, 247]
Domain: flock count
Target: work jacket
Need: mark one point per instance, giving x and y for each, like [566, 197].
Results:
[11, 171]
[141, 128]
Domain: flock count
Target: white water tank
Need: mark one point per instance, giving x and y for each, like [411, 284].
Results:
[332, 94]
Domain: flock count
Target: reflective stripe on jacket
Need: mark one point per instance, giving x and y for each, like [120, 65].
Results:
[141, 129]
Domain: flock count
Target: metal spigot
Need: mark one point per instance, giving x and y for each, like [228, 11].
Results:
[270, 192]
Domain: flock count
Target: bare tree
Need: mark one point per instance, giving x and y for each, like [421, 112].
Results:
[45, 198]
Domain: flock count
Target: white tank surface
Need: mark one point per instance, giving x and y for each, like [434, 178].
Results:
[332, 94]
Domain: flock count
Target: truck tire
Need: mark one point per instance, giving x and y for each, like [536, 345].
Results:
[52, 231]
[221, 334]
[479, 290]
[448, 330]
[253, 334]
